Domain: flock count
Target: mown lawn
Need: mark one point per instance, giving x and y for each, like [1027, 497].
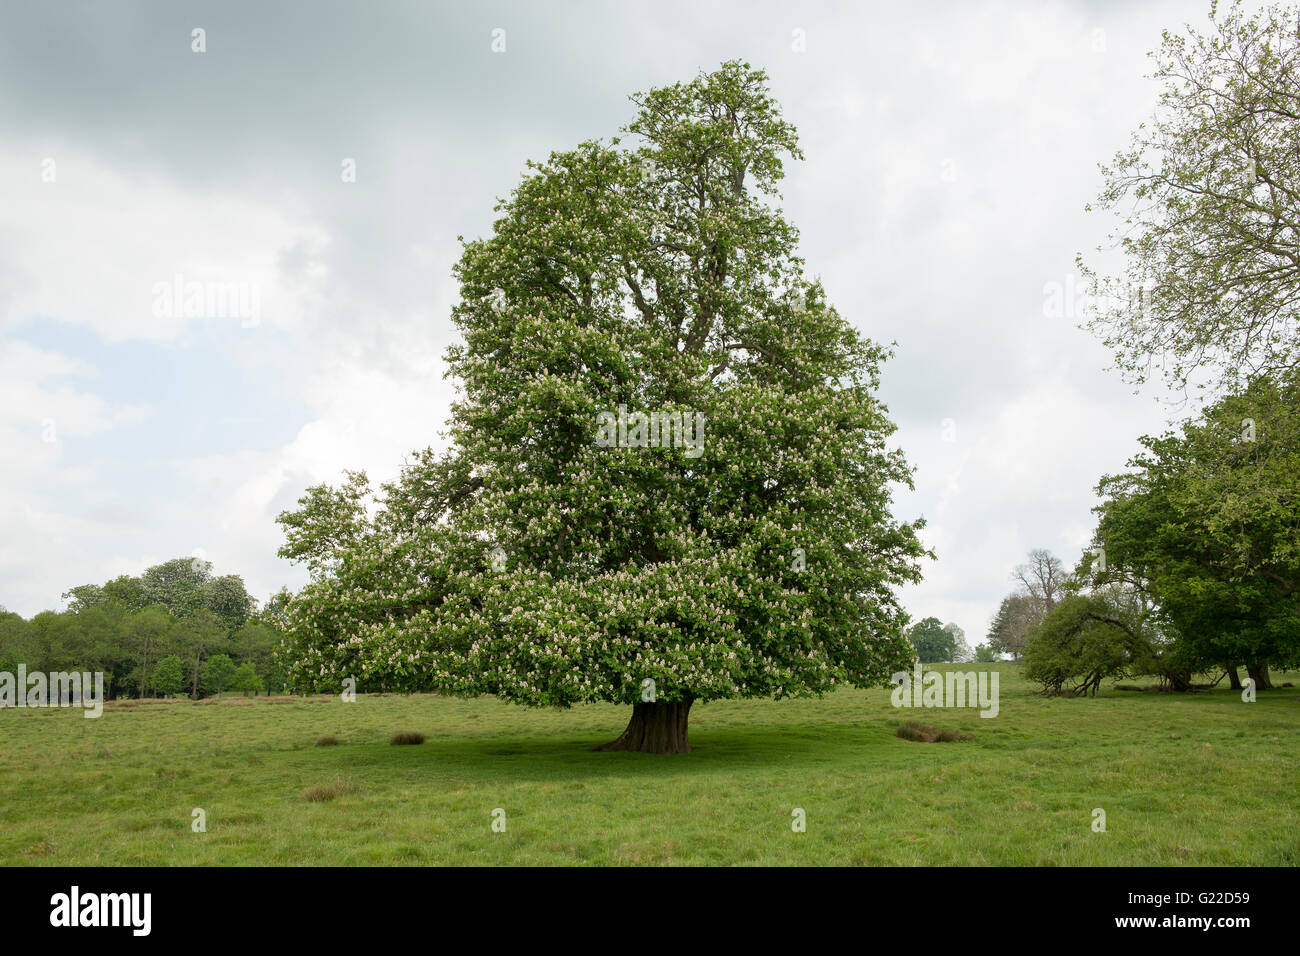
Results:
[1191, 779]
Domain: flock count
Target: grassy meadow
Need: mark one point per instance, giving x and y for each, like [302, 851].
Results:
[1184, 779]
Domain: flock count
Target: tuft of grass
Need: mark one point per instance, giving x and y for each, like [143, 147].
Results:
[329, 740]
[926, 734]
[323, 792]
[407, 737]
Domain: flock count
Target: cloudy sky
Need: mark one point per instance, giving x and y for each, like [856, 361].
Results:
[950, 148]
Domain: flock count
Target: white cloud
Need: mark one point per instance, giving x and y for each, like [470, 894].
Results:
[93, 247]
[43, 404]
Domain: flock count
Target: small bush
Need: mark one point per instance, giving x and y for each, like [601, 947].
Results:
[323, 792]
[407, 737]
[926, 734]
[327, 741]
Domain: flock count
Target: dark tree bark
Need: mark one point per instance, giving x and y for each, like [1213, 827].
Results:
[1259, 674]
[1234, 679]
[655, 728]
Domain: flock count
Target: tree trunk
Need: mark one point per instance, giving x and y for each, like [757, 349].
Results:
[1234, 679]
[1259, 674]
[655, 728]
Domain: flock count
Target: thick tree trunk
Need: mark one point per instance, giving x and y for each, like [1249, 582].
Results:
[1234, 679]
[1259, 674]
[655, 728]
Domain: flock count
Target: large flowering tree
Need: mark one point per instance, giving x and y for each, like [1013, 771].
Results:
[560, 551]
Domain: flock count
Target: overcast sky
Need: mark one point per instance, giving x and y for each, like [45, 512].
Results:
[950, 149]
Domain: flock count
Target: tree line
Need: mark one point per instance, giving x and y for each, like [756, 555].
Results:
[1195, 564]
[939, 643]
[1162, 597]
[175, 629]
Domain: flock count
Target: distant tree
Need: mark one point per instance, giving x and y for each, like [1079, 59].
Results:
[17, 641]
[985, 654]
[83, 597]
[1017, 617]
[1209, 195]
[177, 584]
[276, 672]
[127, 591]
[1044, 577]
[91, 640]
[263, 641]
[961, 652]
[246, 679]
[933, 643]
[218, 673]
[145, 634]
[169, 676]
[1081, 642]
[199, 635]
[125, 625]
[254, 643]
[12, 643]
[227, 598]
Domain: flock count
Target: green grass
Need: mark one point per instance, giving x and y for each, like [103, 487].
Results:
[1184, 779]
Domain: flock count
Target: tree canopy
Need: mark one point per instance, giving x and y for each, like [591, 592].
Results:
[934, 643]
[1207, 524]
[1017, 616]
[1082, 641]
[1209, 196]
[130, 626]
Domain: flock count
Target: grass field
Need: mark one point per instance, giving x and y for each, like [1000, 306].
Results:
[1183, 779]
